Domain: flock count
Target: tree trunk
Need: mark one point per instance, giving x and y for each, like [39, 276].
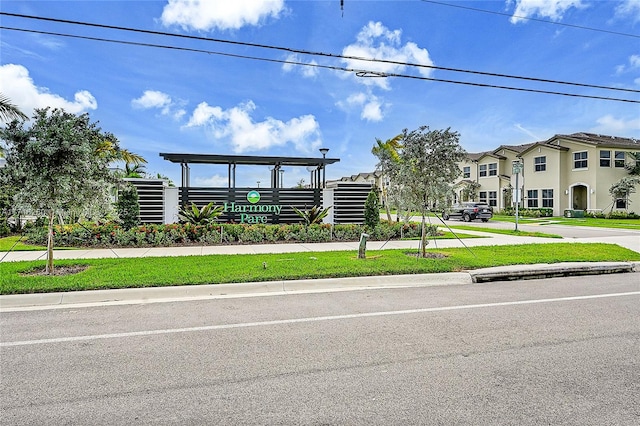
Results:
[386, 206]
[423, 237]
[49, 267]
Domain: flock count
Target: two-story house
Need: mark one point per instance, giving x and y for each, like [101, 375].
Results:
[564, 172]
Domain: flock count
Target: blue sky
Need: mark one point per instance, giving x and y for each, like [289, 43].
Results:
[169, 100]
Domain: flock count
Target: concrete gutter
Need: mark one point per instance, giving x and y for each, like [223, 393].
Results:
[537, 271]
[130, 296]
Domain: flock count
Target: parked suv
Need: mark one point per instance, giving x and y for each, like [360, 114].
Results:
[468, 212]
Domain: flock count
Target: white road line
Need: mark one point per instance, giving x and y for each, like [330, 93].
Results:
[307, 320]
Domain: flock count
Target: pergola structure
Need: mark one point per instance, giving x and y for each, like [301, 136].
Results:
[314, 165]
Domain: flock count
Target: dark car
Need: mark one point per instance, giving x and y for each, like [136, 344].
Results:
[468, 212]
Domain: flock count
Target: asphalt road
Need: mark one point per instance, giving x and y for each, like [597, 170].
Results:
[557, 351]
[565, 231]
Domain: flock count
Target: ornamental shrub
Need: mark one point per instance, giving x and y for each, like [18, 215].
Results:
[371, 211]
[128, 206]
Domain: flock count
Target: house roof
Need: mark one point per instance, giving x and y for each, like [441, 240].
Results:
[364, 175]
[514, 148]
[475, 156]
[599, 140]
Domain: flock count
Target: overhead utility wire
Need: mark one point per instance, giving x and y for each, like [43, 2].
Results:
[532, 19]
[306, 52]
[358, 72]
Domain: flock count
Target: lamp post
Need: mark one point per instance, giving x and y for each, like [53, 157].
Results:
[312, 169]
[324, 151]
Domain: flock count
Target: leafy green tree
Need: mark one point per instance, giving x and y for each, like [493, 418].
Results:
[622, 189]
[128, 206]
[428, 166]
[634, 166]
[469, 190]
[54, 167]
[371, 210]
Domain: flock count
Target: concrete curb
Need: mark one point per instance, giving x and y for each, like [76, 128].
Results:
[565, 269]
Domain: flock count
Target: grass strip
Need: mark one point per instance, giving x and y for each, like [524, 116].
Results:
[13, 244]
[217, 269]
[518, 233]
[594, 222]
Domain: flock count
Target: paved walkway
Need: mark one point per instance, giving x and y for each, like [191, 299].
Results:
[630, 240]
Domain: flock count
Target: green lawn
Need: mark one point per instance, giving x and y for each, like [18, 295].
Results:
[164, 271]
[587, 221]
[13, 244]
[518, 233]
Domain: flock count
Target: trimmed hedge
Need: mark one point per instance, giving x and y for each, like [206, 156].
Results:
[114, 235]
[541, 212]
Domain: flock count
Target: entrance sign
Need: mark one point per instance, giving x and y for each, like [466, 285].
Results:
[253, 197]
[248, 211]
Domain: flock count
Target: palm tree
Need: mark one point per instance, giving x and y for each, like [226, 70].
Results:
[388, 156]
[8, 111]
[133, 170]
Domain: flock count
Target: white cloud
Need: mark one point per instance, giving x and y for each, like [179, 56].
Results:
[371, 107]
[214, 181]
[375, 41]
[307, 71]
[244, 134]
[205, 15]
[628, 9]
[611, 125]
[634, 64]
[551, 9]
[151, 99]
[159, 100]
[17, 85]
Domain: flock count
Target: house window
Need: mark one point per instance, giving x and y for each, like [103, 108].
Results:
[493, 169]
[483, 170]
[580, 160]
[621, 203]
[493, 198]
[466, 172]
[547, 198]
[540, 163]
[619, 161]
[532, 198]
[483, 196]
[605, 158]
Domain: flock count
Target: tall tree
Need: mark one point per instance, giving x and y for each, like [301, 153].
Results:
[388, 162]
[428, 166]
[54, 166]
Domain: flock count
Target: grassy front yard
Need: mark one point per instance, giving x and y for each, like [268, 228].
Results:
[166, 271]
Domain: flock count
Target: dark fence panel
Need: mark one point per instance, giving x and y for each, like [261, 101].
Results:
[348, 202]
[151, 199]
[236, 199]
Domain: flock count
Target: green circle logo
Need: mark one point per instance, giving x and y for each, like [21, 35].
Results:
[253, 197]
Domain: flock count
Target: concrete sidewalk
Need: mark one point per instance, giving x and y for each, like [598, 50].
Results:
[10, 303]
[630, 241]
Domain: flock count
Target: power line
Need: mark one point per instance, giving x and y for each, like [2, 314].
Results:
[311, 53]
[532, 19]
[357, 72]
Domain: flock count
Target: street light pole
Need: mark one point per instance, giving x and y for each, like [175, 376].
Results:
[324, 151]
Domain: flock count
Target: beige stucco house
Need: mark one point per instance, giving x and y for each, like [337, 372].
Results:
[564, 172]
